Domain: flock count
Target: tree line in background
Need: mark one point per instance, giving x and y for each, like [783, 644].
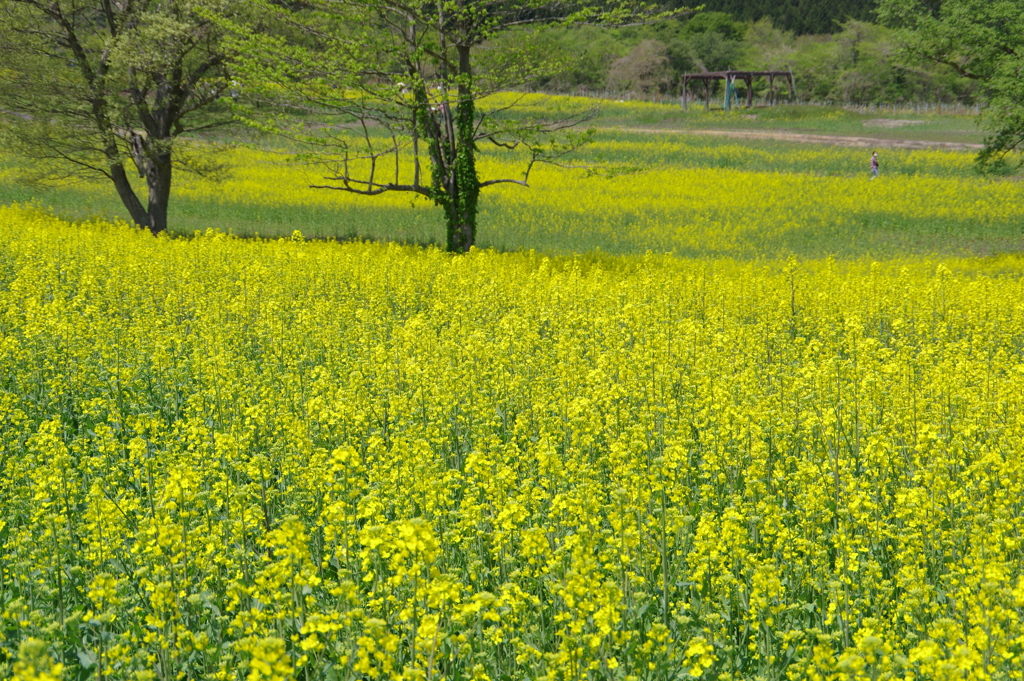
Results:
[396, 88]
[859, 63]
[802, 17]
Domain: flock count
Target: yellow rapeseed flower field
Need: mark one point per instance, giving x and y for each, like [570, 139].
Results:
[239, 459]
[691, 197]
[633, 192]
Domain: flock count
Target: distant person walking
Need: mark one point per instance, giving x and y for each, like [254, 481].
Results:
[874, 165]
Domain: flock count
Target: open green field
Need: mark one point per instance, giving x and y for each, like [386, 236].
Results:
[881, 124]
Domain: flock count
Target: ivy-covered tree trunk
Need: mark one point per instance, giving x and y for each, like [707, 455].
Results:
[466, 185]
[453, 151]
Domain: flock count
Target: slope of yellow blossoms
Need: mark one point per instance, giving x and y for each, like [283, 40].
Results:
[228, 459]
[693, 197]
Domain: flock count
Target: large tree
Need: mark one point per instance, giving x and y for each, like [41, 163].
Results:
[101, 86]
[400, 84]
[982, 40]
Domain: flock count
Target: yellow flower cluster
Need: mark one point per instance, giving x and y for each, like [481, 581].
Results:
[230, 459]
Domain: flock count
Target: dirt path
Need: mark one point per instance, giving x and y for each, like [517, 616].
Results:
[805, 138]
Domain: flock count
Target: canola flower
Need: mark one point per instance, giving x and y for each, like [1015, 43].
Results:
[691, 196]
[228, 459]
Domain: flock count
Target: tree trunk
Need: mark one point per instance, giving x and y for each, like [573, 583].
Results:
[154, 165]
[152, 154]
[460, 237]
[158, 178]
[464, 183]
[127, 193]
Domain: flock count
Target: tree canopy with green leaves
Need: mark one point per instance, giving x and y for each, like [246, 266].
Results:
[799, 16]
[982, 40]
[101, 86]
[402, 84]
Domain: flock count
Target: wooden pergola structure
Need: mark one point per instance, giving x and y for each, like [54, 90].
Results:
[730, 77]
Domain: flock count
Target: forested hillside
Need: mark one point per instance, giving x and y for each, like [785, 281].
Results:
[854, 62]
[799, 16]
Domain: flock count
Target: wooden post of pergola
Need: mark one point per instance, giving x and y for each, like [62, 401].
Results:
[747, 77]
